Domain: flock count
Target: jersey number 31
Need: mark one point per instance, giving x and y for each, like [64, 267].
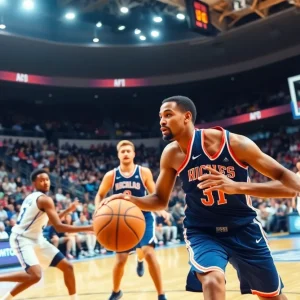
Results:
[209, 201]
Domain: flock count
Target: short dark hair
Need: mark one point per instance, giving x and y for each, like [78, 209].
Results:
[185, 104]
[36, 173]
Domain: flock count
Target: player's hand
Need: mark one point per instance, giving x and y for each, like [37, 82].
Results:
[73, 206]
[113, 197]
[216, 181]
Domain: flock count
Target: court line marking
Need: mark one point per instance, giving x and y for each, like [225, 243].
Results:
[146, 292]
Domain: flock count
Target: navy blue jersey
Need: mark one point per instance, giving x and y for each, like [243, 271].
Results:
[214, 210]
[131, 185]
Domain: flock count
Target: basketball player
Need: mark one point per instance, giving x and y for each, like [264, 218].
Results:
[135, 180]
[29, 245]
[219, 228]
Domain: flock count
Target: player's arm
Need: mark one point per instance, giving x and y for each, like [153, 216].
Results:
[285, 184]
[217, 181]
[72, 207]
[159, 199]
[150, 186]
[46, 204]
[148, 180]
[104, 187]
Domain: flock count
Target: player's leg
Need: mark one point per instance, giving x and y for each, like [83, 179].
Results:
[26, 279]
[213, 285]
[252, 259]
[208, 260]
[118, 272]
[147, 244]
[24, 251]
[140, 270]
[49, 255]
[69, 276]
[154, 269]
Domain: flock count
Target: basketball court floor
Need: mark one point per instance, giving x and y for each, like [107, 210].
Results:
[94, 276]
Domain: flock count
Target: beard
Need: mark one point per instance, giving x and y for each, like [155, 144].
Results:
[168, 137]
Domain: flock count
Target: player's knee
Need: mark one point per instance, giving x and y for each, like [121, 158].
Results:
[121, 259]
[213, 281]
[149, 254]
[68, 268]
[35, 276]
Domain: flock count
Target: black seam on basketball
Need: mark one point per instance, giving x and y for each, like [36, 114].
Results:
[117, 227]
[137, 237]
[128, 209]
[105, 225]
[121, 215]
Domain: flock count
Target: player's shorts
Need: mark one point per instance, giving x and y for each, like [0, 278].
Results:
[35, 252]
[246, 249]
[149, 237]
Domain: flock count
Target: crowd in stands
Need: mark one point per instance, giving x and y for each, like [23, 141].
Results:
[76, 174]
[22, 123]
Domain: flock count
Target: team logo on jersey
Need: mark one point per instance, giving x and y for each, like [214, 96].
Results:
[195, 157]
[196, 172]
[128, 185]
[136, 176]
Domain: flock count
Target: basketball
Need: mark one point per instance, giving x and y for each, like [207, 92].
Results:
[119, 225]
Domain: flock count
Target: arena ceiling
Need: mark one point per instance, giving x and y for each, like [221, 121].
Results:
[225, 14]
[125, 22]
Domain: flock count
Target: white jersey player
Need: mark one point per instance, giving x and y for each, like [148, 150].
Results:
[32, 249]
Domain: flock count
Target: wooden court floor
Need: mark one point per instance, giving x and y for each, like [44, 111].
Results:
[94, 277]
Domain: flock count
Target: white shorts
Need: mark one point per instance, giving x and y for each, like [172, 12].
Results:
[35, 252]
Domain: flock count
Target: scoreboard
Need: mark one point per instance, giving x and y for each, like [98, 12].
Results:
[198, 16]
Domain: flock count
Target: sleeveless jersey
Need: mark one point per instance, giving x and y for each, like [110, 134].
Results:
[131, 185]
[31, 219]
[215, 210]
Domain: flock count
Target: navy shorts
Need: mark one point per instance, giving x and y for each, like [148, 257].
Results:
[149, 235]
[246, 249]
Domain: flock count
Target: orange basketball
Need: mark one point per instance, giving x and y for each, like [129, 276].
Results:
[119, 225]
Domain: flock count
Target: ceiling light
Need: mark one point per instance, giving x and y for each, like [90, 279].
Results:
[155, 33]
[180, 16]
[157, 19]
[95, 40]
[137, 31]
[99, 24]
[122, 27]
[28, 4]
[142, 38]
[2, 2]
[2, 26]
[70, 16]
[124, 10]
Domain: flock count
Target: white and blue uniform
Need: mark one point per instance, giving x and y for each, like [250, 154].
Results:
[134, 185]
[27, 238]
[221, 228]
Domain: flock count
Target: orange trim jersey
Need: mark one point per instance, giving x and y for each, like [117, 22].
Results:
[214, 209]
